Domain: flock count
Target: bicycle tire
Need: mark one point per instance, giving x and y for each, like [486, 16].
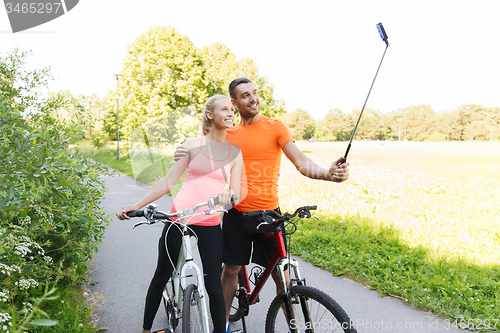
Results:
[192, 313]
[327, 315]
[168, 297]
[236, 311]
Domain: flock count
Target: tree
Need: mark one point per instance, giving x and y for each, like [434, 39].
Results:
[479, 122]
[417, 122]
[300, 123]
[322, 132]
[268, 105]
[339, 124]
[370, 126]
[392, 125]
[162, 71]
[171, 127]
[94, 108]
[71, 109]
[220, 66]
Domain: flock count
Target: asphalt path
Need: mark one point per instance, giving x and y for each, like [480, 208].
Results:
[126, 260]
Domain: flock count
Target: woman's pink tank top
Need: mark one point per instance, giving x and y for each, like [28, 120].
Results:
[205, 178]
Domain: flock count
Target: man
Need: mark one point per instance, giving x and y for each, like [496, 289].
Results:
[261, 140]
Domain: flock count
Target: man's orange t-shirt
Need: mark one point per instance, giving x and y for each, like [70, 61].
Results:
[261, 145]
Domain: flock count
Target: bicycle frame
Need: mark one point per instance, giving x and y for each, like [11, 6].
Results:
[179, 276]
[279, 260]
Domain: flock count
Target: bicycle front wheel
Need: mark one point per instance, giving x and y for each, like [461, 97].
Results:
[313, 311]
[193, 311]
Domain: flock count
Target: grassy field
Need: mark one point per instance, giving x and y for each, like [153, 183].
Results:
[417, 221]
[443, 196]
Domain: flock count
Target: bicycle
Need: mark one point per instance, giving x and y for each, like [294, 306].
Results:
[183, 300]
[300, 308]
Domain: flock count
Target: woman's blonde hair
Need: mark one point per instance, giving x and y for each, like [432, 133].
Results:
[209, 106]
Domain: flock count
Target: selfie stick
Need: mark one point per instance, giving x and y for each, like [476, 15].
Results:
[384, 37]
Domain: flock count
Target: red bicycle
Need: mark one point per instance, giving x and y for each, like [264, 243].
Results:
[300, 308]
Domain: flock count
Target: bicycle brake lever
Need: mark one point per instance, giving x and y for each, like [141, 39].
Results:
[267, 220]
[143, 222]
[211, 211]
[315, 217]
[138, 224]
[261, 224]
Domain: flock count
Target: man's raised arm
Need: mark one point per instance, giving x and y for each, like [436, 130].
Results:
[336, 173]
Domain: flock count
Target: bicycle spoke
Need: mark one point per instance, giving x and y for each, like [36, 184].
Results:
[316, 312]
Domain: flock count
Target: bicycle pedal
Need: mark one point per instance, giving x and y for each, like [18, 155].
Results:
[166, 330]
[238, 331]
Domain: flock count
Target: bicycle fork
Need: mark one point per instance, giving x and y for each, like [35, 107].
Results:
[188, 264]
[281, 267]
[290, 298]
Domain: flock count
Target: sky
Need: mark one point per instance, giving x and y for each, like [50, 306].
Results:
[319, 55]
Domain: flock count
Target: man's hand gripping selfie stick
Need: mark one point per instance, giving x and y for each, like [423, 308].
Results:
[384, 37]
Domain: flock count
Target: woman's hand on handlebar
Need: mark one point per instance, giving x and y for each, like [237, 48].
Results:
[224, 197]
[122, 214]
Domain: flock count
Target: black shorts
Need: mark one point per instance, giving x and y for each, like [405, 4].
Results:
[238, 232]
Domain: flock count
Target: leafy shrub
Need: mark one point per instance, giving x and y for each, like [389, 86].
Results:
[47, 190]
[98, 140]
[23, 264]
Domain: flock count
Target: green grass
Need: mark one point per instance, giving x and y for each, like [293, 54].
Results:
[72, 314]
[376, 256]
[418, 221]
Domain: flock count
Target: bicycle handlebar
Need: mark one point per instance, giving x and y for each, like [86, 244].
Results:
[277, 215]
[152, 214]
[136, 213]
[268, 215]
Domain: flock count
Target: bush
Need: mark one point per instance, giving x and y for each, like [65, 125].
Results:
[50, 195]
[98, 140]
[436, 137]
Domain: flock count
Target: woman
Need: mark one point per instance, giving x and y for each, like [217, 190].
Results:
[210, 162]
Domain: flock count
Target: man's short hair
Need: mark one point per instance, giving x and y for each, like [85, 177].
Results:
[235, 83]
